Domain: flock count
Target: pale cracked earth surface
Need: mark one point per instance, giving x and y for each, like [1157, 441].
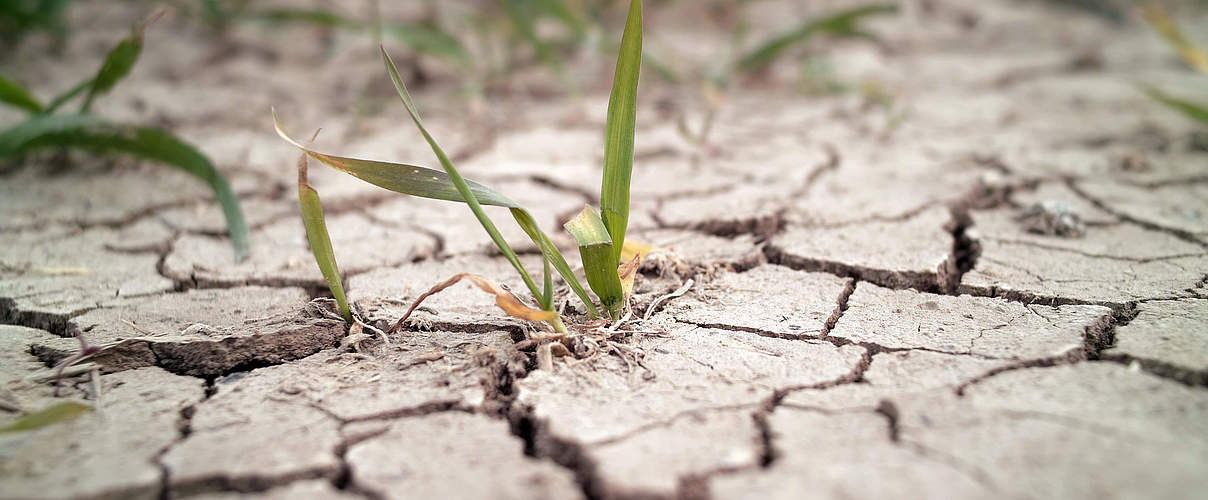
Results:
[870, 316]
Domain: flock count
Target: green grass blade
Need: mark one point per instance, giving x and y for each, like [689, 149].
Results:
[526, 222]
[55, 413]
[90, 133]
[43, 131]
[463, 188]
[400, 177]
[320, 241]
[523, 218]
[70, 94]
[118, 63]
[618, 140]
[16, 95]
[547, 287]
[599, 258]
[842, 23]
[1195, 111]
[434, 184]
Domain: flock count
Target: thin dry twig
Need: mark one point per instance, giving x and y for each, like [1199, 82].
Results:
[86, 351]
[135, 326]
[503, 298]
[678, 292]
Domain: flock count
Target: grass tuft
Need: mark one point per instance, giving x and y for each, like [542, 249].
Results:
[601, 239]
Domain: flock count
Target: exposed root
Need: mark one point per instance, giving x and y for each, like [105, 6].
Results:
[503, 298]
[659, 300]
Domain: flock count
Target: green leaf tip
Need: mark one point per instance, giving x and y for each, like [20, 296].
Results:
[118, 62]
[17, 96]
[619, 131]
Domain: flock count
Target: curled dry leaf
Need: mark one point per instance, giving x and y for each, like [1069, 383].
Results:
[503, 298]
[627, 271]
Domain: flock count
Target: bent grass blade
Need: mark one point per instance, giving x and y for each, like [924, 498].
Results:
[842, 23]
[618, 135]
[400, 177]
[599, 259]
[320, 241]
[90, 133]
[548, 250]
[455, 177]
[15, 95]
[503, 298]
[551, 254]
[434, 184]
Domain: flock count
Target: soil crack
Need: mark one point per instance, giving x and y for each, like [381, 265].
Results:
[1186, 236]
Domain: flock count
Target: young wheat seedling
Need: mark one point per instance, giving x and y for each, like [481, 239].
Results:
[600, 235]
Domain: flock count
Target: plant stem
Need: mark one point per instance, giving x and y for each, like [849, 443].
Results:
[557, 324]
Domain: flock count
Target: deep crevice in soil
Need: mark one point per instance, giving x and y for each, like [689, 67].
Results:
[965, 251]
[54, 323]
[897, 280]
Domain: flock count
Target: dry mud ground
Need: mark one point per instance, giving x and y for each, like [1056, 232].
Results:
[870, 317]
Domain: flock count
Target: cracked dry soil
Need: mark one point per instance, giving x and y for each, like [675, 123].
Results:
[870, 318]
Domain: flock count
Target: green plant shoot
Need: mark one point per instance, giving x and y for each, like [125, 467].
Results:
[85, 131]
[320, 241]
[599, 258]
[434, 184]
[118, 63]
[601, 240]
[618, 134]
